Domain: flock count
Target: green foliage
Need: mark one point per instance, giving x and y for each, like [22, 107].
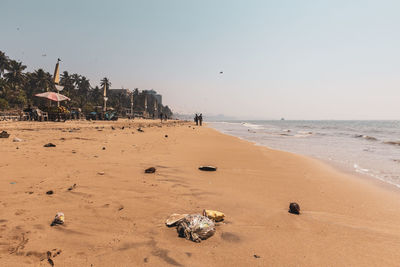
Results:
[18, 89]
[3, 104]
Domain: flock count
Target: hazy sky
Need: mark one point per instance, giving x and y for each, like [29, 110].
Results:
[294, 59]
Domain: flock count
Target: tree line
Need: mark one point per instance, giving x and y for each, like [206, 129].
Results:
[18, 89]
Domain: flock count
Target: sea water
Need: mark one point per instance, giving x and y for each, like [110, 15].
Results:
[367, 147]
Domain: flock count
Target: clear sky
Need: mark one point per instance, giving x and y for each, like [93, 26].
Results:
[303, 59]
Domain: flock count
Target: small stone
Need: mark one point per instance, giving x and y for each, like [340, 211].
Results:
[72, 187]
[294, 208]
[4, 134]
[256, 256]
[50, 145]
[150, 170]
[104, 148]
[50, 192]
[166, 135]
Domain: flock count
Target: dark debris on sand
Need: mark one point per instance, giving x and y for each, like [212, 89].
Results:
[294, 208]
[4, 134]
[50, 145]
[150, 170]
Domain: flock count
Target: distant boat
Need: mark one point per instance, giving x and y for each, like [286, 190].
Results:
[282, 119]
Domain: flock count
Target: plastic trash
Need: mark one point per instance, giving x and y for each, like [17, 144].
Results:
[214, 215]
[175, 219]
[59, 219]
[16, 139]
[196, 227]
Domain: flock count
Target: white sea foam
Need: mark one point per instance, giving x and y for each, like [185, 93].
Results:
[330, 140]
[252, 126]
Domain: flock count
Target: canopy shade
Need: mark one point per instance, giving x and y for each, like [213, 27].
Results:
[53, 96]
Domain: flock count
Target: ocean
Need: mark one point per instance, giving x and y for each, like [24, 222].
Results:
[367, 147]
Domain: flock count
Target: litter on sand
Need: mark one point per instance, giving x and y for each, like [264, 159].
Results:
[196, 227]
[208, 168]
[174, 219]
[59, 219]
[214, 215]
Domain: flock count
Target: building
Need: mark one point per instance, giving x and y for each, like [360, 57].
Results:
[124, 92]
[158, 97]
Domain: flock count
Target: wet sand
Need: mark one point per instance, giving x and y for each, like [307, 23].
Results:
[115, 215]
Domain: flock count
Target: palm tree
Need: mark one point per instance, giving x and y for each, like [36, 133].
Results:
[68, 82]
[42, 80]
[105, 82]
[83, 91]
[15, 75]
[15, 79]
[4, 63]
[36, 82]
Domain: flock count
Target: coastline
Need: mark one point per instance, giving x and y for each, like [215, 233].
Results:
[344, 220]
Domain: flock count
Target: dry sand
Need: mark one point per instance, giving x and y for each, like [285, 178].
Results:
[115, 215]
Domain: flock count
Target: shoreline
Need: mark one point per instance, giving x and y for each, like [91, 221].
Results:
[380, 182]
[115, 215]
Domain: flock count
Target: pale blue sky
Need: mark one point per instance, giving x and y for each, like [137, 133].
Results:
[294, 59]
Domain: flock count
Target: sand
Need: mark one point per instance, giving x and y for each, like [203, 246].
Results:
[116, 213]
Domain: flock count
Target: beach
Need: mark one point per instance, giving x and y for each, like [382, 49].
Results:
[115, 214]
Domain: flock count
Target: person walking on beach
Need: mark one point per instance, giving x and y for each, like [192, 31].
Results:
[161, 116]
[196, 119]
[201, 119]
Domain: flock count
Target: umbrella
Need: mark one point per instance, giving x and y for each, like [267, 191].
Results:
[53, 96]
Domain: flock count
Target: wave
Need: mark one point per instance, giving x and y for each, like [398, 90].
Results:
[366, 137]
[252, 126]
[395, 143]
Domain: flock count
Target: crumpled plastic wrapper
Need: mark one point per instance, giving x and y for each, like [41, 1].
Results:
[196, 227]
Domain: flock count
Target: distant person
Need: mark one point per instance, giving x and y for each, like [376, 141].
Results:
[165, 117]
[201, 119]
[161, 116]
[196, 119]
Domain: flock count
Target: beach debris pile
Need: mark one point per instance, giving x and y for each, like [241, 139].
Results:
[150, 170]
[59, 219]
[50, 145]
[195, 227]
[208, 168]
[4, 134]
[294, 208]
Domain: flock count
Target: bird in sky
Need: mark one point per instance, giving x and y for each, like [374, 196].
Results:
[221, 72]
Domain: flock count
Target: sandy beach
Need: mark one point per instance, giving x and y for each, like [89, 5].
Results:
[115, 215]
